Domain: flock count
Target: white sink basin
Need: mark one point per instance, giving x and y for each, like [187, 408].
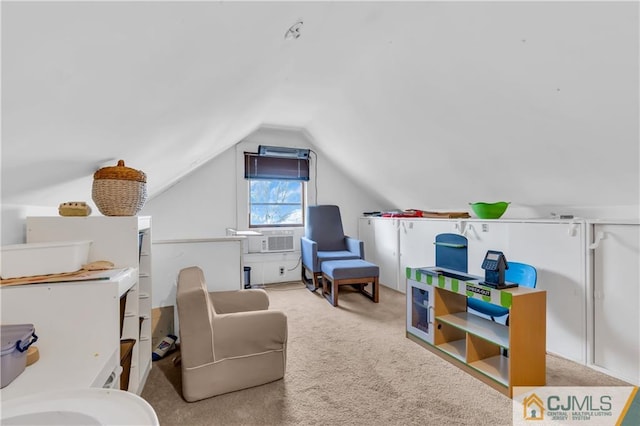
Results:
[93, 406]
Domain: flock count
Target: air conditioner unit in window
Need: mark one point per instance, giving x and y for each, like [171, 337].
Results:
[283, 152]
[276, 243]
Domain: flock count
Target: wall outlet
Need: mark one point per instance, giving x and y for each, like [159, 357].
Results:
[282, 270]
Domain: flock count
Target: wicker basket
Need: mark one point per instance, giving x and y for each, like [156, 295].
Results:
[119, 190]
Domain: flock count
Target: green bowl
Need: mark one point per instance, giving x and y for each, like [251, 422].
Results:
[489, 210]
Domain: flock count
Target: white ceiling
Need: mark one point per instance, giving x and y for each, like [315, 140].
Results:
[433, 104]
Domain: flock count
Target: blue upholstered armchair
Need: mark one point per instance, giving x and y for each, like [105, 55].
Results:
[324, 239]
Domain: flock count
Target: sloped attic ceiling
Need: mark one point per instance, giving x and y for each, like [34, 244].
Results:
[431, 104]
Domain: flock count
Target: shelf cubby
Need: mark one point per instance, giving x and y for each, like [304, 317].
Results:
[126, 242]
[455, 348]
[488, 330]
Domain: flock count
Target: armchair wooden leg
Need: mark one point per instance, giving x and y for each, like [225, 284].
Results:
[375, 290]
[334, 292]
[330, 294]
[317, 279]
[311, 283]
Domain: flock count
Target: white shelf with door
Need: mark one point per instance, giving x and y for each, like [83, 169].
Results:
[555, 247]
[438, 320]
[380, 236]
[417, 237]
[125, 241]
[614, 252]
[557, 250]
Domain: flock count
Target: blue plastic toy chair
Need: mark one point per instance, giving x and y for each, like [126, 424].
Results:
[521, 273]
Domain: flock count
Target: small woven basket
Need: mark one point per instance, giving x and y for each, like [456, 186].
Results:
[119, 190]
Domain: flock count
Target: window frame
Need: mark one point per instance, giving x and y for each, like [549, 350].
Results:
[303, 202]
[241, 217]
[279, 168]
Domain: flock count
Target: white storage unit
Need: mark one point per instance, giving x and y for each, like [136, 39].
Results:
[26, 260]
[615, 317]
[556, 248]
[483, 236]
[387, 253]
[366, 233]
[417, 237]
[125, 241]
[77, 324]
[382, 248]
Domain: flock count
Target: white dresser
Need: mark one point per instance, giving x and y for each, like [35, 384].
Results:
[125, 241]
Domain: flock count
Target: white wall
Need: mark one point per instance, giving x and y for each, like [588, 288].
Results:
[213, 198]
[209, 200]
[535, 103]
[430, 105]
[13, 228]
[329, 186]
[200, 205]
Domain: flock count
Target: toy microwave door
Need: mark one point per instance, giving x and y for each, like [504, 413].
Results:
[420, 313]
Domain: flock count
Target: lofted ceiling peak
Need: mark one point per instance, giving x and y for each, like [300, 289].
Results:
[433, 104]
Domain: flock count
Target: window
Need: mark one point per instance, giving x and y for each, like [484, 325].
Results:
[276, 190]
[275, 202]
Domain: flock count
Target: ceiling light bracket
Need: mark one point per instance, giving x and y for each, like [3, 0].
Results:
[293, 33]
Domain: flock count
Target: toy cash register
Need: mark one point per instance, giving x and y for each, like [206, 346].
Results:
[494, 265]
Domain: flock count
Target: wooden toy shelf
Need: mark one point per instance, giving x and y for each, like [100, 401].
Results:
[499, 355]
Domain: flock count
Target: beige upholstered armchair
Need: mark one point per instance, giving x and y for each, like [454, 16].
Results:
[228, 340]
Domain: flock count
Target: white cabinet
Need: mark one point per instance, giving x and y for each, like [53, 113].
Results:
[483, 236]
[366, 233]
[417, 239]
[380, 236]
[386, 252]
[616, 295]
[555, 248]
[77, 324]
[593, 297]
[125, 241]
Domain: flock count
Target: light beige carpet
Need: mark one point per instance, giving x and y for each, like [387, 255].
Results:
[352, 365]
